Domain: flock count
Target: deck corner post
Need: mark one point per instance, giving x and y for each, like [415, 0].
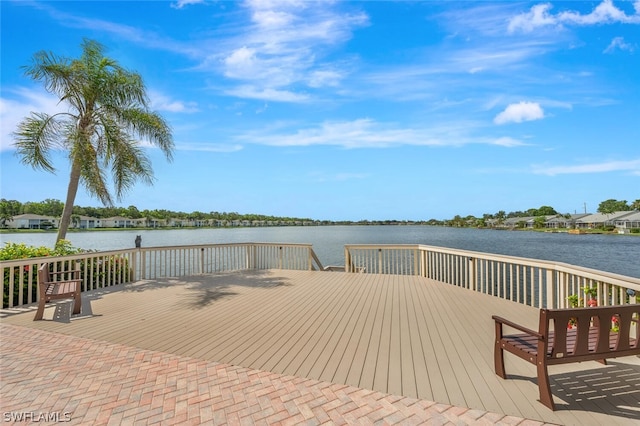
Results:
[347, 259]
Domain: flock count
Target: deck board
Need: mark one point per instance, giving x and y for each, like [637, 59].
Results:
[402, 335]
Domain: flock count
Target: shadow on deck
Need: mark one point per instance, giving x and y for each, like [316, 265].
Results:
[398, 335]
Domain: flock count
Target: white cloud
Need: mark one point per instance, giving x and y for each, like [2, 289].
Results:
[632, 166]
[284, 45]
[182, 3]
[267, 94]
[517, 113]
[604, 13]
[368, 133]
[508, 142]
[540, 16]
[160, 102]
[241, 63]
[208, 147]
[271, 18]
[324, 78]
[619, 43]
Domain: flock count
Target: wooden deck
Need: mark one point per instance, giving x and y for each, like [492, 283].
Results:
[402, 335]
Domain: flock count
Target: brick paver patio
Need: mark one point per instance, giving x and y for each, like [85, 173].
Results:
[51, 376]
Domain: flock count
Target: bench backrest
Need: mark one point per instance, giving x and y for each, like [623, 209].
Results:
[585, 333]
[43, 273]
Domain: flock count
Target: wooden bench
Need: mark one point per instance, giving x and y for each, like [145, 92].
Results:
[58, 285]
[569, 335]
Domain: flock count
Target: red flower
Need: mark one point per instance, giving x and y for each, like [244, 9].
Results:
[592, 302]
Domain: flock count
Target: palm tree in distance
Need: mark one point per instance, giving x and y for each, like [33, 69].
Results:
[107, 107]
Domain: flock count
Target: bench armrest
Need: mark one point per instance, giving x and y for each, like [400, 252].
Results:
[511, 324]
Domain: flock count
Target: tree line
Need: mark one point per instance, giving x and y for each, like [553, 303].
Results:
[54, 208]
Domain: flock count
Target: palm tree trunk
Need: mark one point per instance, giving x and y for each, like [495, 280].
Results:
[72, 190]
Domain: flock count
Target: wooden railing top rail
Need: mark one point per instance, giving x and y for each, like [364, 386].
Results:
[585, 272]
[89, 254]
[84, 255]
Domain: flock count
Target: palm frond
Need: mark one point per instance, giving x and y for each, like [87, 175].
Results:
[149, 126]
[35, 137]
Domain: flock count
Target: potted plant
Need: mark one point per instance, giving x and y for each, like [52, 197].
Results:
[592, 293]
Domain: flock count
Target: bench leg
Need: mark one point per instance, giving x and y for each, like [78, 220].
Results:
[544, 386]
[40, 311]
[498, 353]
[498, 360]
[77, 303]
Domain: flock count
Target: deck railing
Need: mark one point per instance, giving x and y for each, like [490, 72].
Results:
[103, 269]
[538, 283]
[531, 282]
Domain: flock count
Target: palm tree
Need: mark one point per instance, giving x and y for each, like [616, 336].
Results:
[75, 220]
[107, 107]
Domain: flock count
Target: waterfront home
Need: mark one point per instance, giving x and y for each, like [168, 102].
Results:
[32, 221]
[86, 222]
[598, 220]
[123, 222]
[559, 221]
[632, 220]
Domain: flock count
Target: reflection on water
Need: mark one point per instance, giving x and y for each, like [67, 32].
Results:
[614, 253]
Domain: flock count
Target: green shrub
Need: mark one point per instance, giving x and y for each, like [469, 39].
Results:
[16, 251]
[635, 230]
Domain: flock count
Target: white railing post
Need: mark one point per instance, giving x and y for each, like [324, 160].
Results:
[551, 283]
[143, 265]
[473, 278]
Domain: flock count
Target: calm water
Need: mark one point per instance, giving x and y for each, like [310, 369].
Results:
[614, 253]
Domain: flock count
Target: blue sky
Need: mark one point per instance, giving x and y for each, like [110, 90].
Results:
[355, 110]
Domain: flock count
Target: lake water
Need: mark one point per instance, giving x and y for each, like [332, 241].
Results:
[614, 253]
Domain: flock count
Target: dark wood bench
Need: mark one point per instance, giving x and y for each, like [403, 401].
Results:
[569, 335]
[58, 285]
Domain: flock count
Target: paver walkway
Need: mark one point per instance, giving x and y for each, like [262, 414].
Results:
[51, 376]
